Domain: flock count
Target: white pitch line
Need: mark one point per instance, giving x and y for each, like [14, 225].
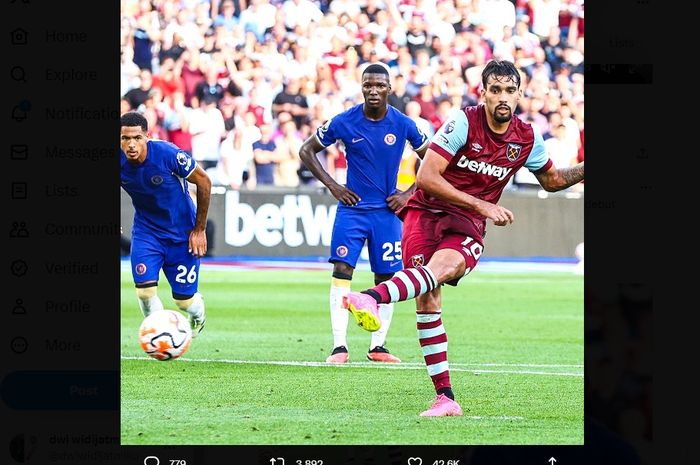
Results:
[402, 366]
[502, 417]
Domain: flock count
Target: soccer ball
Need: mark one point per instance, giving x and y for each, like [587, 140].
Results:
[165, 334]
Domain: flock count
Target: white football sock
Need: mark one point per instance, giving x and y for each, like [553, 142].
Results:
[193, 306]
[339, 315]
[386, 311]
[148, 303]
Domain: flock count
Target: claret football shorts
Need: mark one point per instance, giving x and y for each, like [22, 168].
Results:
[425, 232]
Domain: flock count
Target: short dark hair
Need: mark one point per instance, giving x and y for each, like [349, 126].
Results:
[500, 68]
[134, 118]
[376, 68]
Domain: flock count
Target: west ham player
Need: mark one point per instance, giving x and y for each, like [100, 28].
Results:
[374, 134]
[467, 166]
[168, 231]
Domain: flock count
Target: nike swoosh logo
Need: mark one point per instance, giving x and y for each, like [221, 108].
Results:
[357, 140]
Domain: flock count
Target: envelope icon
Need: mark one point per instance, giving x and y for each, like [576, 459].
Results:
[19, 152]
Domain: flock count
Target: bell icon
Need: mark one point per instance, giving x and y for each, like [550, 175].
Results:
[20, 112]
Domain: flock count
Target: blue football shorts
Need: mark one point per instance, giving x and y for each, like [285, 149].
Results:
[149, 254]
[381, 228]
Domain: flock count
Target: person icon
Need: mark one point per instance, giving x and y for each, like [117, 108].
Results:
[19, 308]
[19, 230]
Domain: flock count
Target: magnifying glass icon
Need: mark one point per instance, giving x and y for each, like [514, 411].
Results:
[18, 74]
[151, 460]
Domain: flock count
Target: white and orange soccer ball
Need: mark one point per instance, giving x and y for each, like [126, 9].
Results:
[165, 334]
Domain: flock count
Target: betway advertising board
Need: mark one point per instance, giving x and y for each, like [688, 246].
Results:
[274, 224]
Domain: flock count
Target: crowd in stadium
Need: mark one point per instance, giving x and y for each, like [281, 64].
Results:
[240, 84]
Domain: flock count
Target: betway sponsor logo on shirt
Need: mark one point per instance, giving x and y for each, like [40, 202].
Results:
[480, 167]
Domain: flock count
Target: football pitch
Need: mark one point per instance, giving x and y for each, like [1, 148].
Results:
[256, 375]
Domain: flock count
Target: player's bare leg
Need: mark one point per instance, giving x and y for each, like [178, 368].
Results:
[148, 299]
[194, 307]
[377, 350]
[340, 287]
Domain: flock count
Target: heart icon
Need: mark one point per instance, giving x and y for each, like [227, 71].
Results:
[415, 461]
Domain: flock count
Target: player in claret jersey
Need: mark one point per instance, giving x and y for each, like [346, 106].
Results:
[374, 134]
[467, 166]
[168, 231]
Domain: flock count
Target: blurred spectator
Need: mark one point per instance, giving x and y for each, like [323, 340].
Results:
[169, 79]
[155, 130]
[546, 16]
[398, 98]
[561, 150]
[145, 35]
[298, 14]
[177, 122]
[554, 48]
[210, 87]
[442, 112]
[426, 100]
[128, 71]
[207, 129]
[182, 30]
[266, 156]
[290, 100]
[290, 142]
[413, 111]
[258, 18]
[228, 16]
[138, 95]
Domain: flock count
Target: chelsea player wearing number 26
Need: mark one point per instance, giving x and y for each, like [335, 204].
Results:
[168, 231]
[375, 135]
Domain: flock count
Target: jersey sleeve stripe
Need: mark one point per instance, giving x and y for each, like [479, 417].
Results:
[441, 151]
[194, 168]
[424, 144]
[545, 167]
[320, 141]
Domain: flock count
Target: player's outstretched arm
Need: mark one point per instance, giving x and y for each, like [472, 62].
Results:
[430, 179]
[198, 237]
[307, 153]
[556, 179]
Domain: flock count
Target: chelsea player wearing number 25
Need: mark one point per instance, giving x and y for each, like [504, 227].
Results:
[375, 135]
[168, 231]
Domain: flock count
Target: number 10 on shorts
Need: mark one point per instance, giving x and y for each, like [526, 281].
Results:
[471, 249]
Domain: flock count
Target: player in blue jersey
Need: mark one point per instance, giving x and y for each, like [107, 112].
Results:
[168, 231]
[374, 134]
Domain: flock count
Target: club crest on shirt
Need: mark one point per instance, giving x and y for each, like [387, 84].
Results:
[140, 269]
[157, 180]
[341, 250]
[417, 260]
[390, 139]
[450, 127]
[183, 160]
[513, 151]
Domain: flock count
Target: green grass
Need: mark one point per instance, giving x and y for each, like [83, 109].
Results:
[516, 356]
